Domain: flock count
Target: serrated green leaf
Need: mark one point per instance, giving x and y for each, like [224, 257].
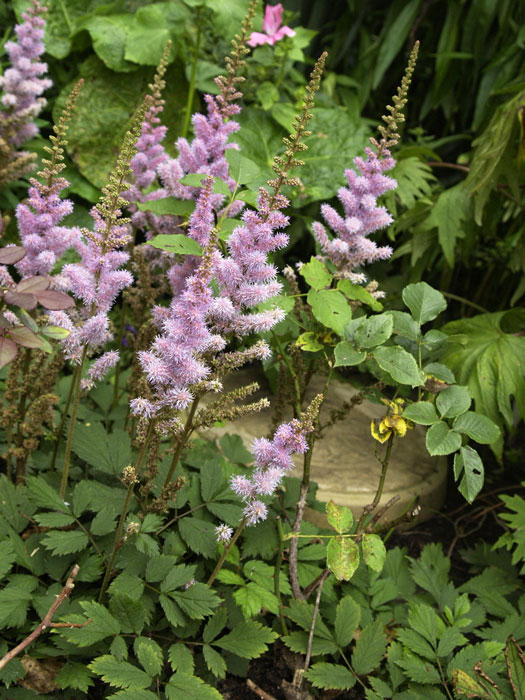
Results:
[242, 169]
[330, 676]
[42, 494]
[441, 440]
[198, 601]
[453, 401]
[176, 243]
[212, 481]
[215, 625]
[102, 624]
[129, 612]
[416, 643]
[478, 427]
[81, 498]
[342, 557]
[374, 331]
[178, 576]
[369, 648]
[424, 620]
[181, 659]
[104, 521]
[7, 557]
[253, 597]
[119, 649]
[399, 364]
[109, 452]
[347, 619]
[182, 686]
[119, 674]
[74, 675]
[172, 611]
[127, 584]
[405, 325]
[199, 535]
[468, 465]
[374, 551]
[424, 302]
[159, 567]
[316, 274]
[302, 612]
[421, 412]
[149, 654]
[330, 308]
[419, 670]
[450, 639]
[358, 293]
[54, 519]
[170, 206]
[135, 694]
[447, 215]
[298, 642]
[248, 640]
[15, 599]
[339, 517]
[231, 578]
[346, 355]
[63, 542]
[214, 661]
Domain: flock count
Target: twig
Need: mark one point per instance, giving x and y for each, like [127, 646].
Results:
[258, 691]
[76, 625]
[379, 514]
[46, 622]
[299, 674]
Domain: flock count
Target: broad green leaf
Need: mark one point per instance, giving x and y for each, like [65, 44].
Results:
[369, 648]
[330, 676]
[439, 371]
[215, 625]
[214, 661]
[447, 215]
[149, 654]
[146, 39]
[399, 364]
[468, 465]
[478, 427]
[405, 325]
[234, 449]
[374, 331]
[42, 494]
[342, 557]
[108, 35]
[441, 440]
[120, 674]
[393, 38]
[177, 576]
[453, 401]
[109, 452]
[347, 618]
[421, 412]
[419, 670]
[130, 613]
[339, 517]
[492, 365]
[182, 686]
[176, 243]
[267, 94]
[374, 551]
[242, 169]
[247, 639]
[181, 659]
[199, 535]
[309, 342]
[316, 274]
[449, 640]
[424, 302]
[346, 355]
[198, 601]
[358, 293]
[330, 308]
[62, 542]
[74, 675]
[198, 180]
[168, 206]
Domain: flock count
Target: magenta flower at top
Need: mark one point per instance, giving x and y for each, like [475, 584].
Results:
[273, 17]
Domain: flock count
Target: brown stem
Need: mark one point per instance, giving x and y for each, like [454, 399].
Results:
[296, 527]
[370, 508]
[227, 548]
[75, 625]
[299, 674]
[452, 166]
[258, 691]
[181, 442]
[46, 622]
[277, 573]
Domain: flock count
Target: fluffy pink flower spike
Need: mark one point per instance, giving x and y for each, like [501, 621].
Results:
[273, 17]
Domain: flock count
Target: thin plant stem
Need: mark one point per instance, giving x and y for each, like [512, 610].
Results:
[370, 508]
[465, 301]
[63, 422]
[21, 461]
[227, 548]
[119, 341]
[181, 442]
[293, 374]
[72, 420]
[277, 573]
[320, 585]
[191, 88]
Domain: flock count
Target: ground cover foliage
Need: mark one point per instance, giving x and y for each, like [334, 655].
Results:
[148, 253]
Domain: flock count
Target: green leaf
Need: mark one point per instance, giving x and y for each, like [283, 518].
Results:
[416, 643]
[302, 612]
[374, 552]
[159, 567]
[234, 449]
[177, 576]
[492, 365]
[109, 452]
[242, 169]
[172, 611]
[104, 521]
[478, 427]
[176, 243]
[298, 642]
[439, 371]
[181, 659]
[108, 35]
[212, 480]
[399, 364]
[15, 599]
[149, 654]
[330, 308]
[168, 206]
[74, 675]
[118, 648]
[133, 694]
[214, 661]
[130, 613]
[181, 686]
[453, 401]
[316, 274]
[339, 517]
[330, 676]
[230, 578]
[198, 601]
[253, 597]
[405, 325]
[369, 648]
[441, 440]
[342, 557]
[358, 293]
[424, 620]
[102, 625]
[450, 639]
[447, 215]
[374, 331]
[42, 494]
[419, 670]
[347, 618]
[62, 542]
[81, 498]
[422, 413]
[309, 342]
[346, 355]
[424, 302]
[468, 464]
[147, 37]
[516, 668]
[215, 625]
[248, 640]
[199, 535]
[127, 584]
[393, 39]
[7, 557]
[120, 674]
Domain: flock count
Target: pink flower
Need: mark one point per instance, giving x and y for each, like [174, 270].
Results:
[273, 17]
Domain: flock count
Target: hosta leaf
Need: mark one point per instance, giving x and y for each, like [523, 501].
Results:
[120, 674]
[342, 557]
[369, 648]
[330, 676]
[247, 639]
[424, 302]
[441, 440]
[347, 618]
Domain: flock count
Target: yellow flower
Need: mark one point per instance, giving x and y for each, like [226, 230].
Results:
[393, 423]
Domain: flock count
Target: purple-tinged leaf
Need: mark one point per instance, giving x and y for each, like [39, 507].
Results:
[33, 284]
[4, 323]
[27, 320]
[8, 351]
[55, 301]
[24, 301]
[26, 338]
[11, 254]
